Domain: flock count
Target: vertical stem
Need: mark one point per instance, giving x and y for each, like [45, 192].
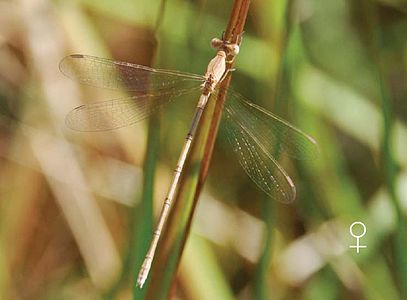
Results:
[389, 164]
[261, 289]
[145, 268]
[280, 91]
[143, 214]
[233, 33]
[176, 232]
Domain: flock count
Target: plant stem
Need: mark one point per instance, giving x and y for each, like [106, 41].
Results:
[196, 168]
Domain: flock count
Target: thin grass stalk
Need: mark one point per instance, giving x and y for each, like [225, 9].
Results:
[233, 33]
[168, 254]
[390, 168]
[389, 162]
[196, 168]
[281, 92]
[143, 216]
[261, 288]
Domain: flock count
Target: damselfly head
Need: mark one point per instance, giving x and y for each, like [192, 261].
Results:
[229, 48]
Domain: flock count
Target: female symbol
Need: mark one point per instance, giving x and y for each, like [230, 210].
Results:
[357, 246]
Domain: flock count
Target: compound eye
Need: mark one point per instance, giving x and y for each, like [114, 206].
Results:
[235, 49]
[216, 43]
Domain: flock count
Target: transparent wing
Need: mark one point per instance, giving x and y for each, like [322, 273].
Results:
[256, 135]
[117, 113]
[259, 165]
[112, 74]
[276, 135]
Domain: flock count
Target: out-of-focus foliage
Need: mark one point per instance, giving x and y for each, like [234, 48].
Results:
[71, 202]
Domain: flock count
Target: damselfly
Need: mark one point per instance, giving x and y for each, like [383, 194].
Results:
[255, 134]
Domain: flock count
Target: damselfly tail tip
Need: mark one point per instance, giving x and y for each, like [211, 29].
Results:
[141, 279]
[143, 274]
[140, 284]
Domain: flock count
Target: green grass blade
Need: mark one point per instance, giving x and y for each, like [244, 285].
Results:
[168, 254]
[200, 267]
[143, 214]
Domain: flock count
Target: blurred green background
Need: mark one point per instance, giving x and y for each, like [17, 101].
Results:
[69, 200]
